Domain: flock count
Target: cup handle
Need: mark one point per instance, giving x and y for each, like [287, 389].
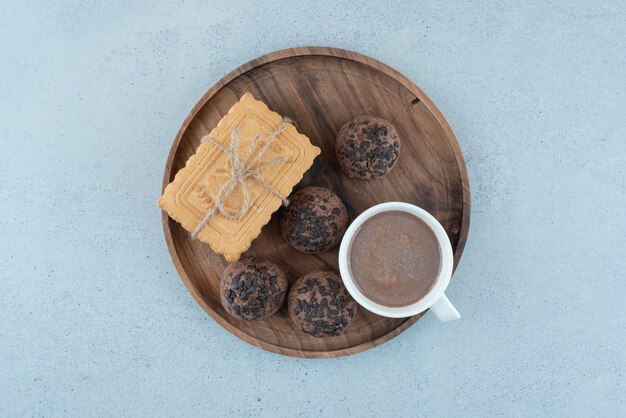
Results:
[444, 310]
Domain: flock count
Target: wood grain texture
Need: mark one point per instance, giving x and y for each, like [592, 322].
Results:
[320, 89]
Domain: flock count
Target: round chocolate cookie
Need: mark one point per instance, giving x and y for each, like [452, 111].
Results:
[314, 221]
[253, 288]
[367, 147]
[320, 305]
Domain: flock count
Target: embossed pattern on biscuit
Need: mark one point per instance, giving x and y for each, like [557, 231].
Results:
[195, 187]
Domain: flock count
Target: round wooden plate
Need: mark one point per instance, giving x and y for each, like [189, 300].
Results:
[321, 89]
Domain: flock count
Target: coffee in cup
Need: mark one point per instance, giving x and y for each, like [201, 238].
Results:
[396, 260]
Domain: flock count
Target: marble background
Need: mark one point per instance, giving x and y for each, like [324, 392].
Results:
[94, 320]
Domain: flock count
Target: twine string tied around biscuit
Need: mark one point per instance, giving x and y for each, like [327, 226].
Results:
[240, 171]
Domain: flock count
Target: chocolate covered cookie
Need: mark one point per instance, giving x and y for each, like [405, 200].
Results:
[367, 147]
[314, 221]
[320, 305]
[253, 288]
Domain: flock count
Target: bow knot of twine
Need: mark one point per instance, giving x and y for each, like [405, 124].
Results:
[240, 171]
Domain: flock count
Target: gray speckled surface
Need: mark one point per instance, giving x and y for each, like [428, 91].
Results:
[94, 319]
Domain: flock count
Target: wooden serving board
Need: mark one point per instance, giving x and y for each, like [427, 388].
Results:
[321, 89]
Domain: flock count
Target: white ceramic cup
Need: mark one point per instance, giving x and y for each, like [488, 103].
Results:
[435, 299]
